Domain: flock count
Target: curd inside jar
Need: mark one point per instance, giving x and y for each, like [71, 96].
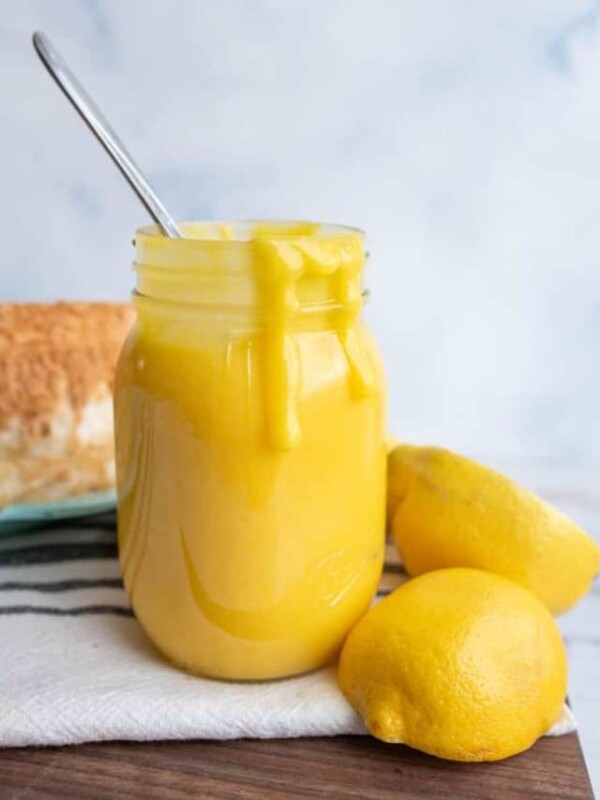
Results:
[251, 455]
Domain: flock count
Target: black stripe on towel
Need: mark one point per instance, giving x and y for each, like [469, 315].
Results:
[81, 611]
[53, 553]
[61, 586]
[394, 569]
[105, 522]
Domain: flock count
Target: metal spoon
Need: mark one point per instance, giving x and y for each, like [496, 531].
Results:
[105, 134]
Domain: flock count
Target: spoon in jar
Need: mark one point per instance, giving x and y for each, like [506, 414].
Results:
[100, 127]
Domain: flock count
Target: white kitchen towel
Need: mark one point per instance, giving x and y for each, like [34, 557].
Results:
[75, 665]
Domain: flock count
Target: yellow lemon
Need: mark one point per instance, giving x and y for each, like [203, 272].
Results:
[398, 476]
[449, 511]
[459, 663]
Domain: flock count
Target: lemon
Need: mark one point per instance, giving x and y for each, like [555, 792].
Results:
[459, 663]
[398, 476]
[449, 511]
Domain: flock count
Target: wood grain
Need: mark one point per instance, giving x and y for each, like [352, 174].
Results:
[341, 767]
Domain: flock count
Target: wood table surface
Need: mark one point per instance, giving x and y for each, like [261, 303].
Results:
[339, 767]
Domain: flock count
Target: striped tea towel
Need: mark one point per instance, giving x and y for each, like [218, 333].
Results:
[76, 667]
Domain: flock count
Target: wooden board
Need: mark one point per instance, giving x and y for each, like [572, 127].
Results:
[340, 767]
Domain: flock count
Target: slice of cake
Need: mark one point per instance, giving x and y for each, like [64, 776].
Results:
[57, 365]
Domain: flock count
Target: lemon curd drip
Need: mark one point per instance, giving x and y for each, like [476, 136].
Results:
[280, 264]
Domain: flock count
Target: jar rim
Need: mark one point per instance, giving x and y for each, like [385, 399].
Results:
[224, 260]
[218, 232]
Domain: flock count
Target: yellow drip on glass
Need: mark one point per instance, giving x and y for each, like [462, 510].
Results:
[281, 264]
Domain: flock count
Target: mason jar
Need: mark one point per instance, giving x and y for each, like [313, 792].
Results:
[250, 409]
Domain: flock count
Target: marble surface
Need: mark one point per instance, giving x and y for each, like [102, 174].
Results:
[462, 136]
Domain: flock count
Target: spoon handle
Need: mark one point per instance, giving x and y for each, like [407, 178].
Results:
[105, 134]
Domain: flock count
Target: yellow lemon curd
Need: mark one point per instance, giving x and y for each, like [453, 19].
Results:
[251, 454]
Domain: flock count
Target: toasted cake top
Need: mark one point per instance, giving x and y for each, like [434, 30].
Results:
[46, 348]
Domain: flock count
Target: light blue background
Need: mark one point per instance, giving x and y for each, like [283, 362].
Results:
[463, 136]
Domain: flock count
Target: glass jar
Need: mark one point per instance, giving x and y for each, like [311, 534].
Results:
[250, 425]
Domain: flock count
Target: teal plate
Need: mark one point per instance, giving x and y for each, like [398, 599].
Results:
[14, 519]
